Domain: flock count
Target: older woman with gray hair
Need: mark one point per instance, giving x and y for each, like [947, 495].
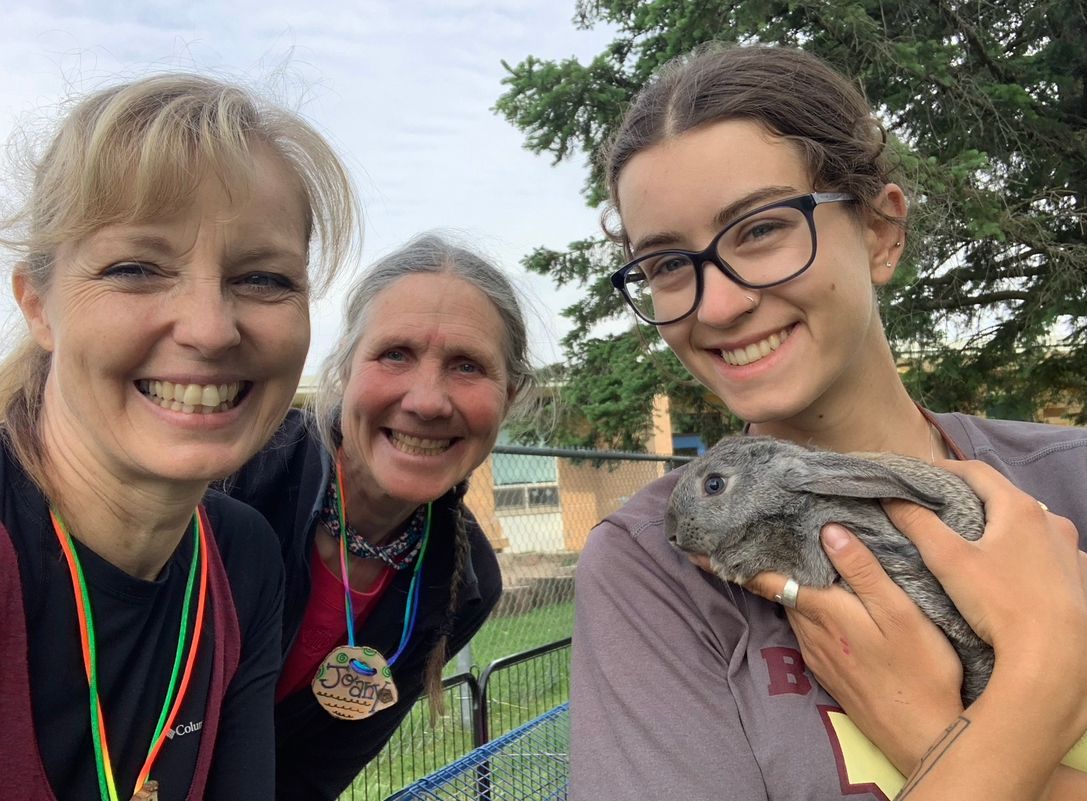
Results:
[388, 573]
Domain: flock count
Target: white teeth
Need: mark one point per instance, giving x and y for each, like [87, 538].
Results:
[756, 350]
[419, 446]
[191, 398]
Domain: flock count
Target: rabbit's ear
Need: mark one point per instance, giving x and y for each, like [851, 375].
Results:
[852, 477]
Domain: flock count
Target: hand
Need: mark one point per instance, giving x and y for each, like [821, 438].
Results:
[1022, 587]
[892, 670]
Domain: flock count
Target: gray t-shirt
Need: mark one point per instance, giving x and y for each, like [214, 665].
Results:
[685, 687]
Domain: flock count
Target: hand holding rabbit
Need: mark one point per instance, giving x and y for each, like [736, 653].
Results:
[755, 504]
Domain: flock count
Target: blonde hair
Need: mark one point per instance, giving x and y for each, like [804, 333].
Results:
[138, 151]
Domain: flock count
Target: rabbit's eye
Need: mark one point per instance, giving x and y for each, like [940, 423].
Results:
[714, 484]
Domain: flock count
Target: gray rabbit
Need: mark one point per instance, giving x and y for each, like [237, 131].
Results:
[757, 503]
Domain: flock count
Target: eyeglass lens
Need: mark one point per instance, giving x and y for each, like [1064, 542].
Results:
[763, 249]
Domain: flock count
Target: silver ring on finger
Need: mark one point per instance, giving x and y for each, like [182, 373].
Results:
[788, 594]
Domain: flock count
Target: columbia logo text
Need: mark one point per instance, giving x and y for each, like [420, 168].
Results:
[184, 728]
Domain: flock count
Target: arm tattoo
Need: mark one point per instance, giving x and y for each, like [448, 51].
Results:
[934, 755]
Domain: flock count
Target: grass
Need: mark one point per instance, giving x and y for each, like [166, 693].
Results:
[516, 695]
[507, 635]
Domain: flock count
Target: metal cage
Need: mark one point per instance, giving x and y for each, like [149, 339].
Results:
[530, 763]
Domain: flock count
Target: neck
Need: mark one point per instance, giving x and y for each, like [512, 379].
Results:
[133, 523]
[374, 514]
[871, 411]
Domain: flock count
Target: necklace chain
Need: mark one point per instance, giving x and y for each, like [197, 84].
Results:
[171, 704]
[412, 605]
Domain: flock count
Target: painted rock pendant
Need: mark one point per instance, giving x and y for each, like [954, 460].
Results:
[149, 792]
[346, 688]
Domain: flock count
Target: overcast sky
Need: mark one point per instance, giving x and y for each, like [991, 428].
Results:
[403, 88]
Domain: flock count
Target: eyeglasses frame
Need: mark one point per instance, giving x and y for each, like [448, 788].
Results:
[806, 204]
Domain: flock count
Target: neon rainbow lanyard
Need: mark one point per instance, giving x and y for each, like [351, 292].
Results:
[413, 591]
[106, 785]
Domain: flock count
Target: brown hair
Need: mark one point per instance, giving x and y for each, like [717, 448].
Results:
[793, 94]
[139, 150]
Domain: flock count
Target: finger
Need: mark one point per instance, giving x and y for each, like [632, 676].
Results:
[767, 585]
[853, 561]
[1001, 498]
[994, 490]
[922, 527]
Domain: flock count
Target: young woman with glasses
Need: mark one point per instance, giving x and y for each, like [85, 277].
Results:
[759, 213]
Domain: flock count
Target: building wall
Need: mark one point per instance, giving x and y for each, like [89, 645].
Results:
[480, 500]
[589, 493]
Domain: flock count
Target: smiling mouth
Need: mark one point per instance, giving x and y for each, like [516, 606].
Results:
[418, 446]
[756, 350]
[194, 398]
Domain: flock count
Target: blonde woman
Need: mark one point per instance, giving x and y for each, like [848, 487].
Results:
[165, 259]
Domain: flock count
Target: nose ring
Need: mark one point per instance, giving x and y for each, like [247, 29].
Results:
[754, 303]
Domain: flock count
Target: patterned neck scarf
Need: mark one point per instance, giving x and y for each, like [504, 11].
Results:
[398, 553]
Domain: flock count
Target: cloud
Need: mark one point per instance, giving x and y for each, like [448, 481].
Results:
[403, 89]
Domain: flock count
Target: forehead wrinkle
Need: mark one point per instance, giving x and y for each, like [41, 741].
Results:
[453, 337]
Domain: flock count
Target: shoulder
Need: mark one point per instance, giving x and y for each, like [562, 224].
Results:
[1047, 461]
[236, 523]
[248, 548]
[642, 516]
[285, 480]
[294, 443]
[631, 541]
[1014, 441]
[484, 560]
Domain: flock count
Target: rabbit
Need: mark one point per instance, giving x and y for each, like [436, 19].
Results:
[758, 503]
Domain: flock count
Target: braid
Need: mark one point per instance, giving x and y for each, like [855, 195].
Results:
[432, 676]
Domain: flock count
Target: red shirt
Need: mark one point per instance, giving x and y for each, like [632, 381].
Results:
[324, 624]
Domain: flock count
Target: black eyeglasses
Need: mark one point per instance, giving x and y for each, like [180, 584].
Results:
[766, 247]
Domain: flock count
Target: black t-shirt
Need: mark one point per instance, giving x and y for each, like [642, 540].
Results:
[136, 625]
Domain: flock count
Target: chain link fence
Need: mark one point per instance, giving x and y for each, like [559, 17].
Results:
[536, 506]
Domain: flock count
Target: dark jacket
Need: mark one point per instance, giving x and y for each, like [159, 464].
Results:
[318, 755]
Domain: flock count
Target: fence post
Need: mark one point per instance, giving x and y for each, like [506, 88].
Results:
[467, 710]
